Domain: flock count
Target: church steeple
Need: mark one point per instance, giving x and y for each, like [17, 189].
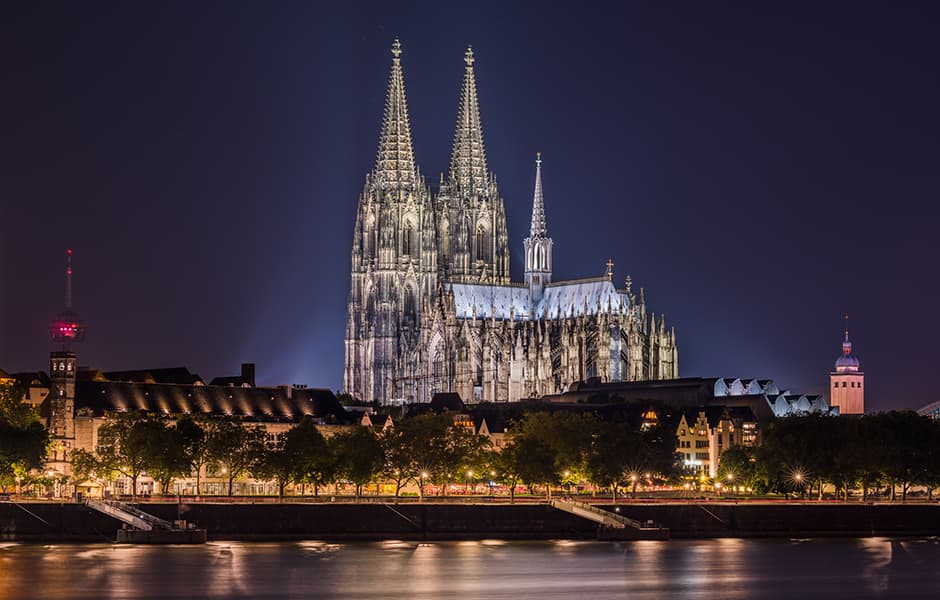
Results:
[538, 228]
[395, 163]
[468, 157]
[471, 214]
[538, 246]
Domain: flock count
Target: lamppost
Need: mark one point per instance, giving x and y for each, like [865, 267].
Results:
[633, 479]
[567, 481]
[798, 478]
[424, 478]
[469, 480]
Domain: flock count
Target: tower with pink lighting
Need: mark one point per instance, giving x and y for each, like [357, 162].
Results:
[65, 328]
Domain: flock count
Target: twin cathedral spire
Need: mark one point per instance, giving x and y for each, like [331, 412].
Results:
[431, 304]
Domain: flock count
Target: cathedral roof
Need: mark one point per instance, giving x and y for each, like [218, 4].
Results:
[395, 163]
[559, 299]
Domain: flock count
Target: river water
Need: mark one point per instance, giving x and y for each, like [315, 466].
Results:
[714, 569]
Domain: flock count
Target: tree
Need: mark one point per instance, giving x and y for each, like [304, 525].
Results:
[504, 465]
[273, 460]
[738, 466]
[615, 448]
[533, 460]
[166, 452]
[313, 460]
[359, 456]
[194, 437]
[23, 438]
[399, 465]
[233, 448]
[124, 446]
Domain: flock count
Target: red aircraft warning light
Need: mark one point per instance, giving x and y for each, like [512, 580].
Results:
[66, 327]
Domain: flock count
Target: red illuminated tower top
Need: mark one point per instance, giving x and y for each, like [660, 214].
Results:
[66, 327]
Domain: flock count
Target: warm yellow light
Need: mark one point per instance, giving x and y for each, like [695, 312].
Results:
[469, 473]
[567, 473]
[424, 474]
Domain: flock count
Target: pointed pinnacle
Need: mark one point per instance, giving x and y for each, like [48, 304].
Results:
[468, 56]
[396, 48]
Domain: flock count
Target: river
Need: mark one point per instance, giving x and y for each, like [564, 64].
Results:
[713, 569]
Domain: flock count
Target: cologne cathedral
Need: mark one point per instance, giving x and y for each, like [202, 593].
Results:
[431, 304]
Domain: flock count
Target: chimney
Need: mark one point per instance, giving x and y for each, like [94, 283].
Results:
[248, 373]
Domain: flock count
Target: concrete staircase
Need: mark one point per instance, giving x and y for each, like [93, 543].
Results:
[145, 527]
[612, 526]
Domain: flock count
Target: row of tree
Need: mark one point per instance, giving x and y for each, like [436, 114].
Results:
[546, 449]
[810, 453]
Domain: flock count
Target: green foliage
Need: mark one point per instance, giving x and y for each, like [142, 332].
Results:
[234, 448]
[429, 448]
[359, 456]
[311, 456]
[803, 453]
[23, 438]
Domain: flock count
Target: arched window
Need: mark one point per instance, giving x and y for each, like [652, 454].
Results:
[406, 236]
[445, 239]
[368, 237]
[483, 244]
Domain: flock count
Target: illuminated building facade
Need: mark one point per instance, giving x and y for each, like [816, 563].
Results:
[846, 382]
[431, 304]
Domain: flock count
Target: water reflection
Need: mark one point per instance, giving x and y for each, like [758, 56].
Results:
[725, 568]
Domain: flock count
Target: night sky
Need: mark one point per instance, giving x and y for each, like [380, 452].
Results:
[760, 170]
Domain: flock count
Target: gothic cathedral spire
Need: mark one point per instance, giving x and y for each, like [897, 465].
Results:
[471, 217]
[394, 260]
[395, 163]
[538, 246]
[538, 228]
[468, 157]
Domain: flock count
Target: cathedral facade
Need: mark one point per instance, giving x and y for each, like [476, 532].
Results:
[431, 304]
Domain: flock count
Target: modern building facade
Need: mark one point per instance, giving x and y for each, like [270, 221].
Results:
[431, 304]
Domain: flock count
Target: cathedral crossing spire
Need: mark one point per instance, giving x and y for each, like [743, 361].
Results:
[395, 163]
[468, 157]
[538, 229]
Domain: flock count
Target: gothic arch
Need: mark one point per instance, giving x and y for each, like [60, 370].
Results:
[483, 242]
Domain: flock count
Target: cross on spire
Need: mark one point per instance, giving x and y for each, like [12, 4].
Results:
[610, 269]
[468, 56]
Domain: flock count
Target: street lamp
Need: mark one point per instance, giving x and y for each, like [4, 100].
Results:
[469, 479]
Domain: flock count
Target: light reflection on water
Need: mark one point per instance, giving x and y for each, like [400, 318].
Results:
[725, 568]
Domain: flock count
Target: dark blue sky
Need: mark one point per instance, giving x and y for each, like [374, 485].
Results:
[760, 170]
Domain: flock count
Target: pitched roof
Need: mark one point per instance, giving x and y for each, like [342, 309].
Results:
[175, 375]
[447, 401]
[252, 404]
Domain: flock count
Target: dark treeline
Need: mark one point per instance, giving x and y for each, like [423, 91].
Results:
[806, 454]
